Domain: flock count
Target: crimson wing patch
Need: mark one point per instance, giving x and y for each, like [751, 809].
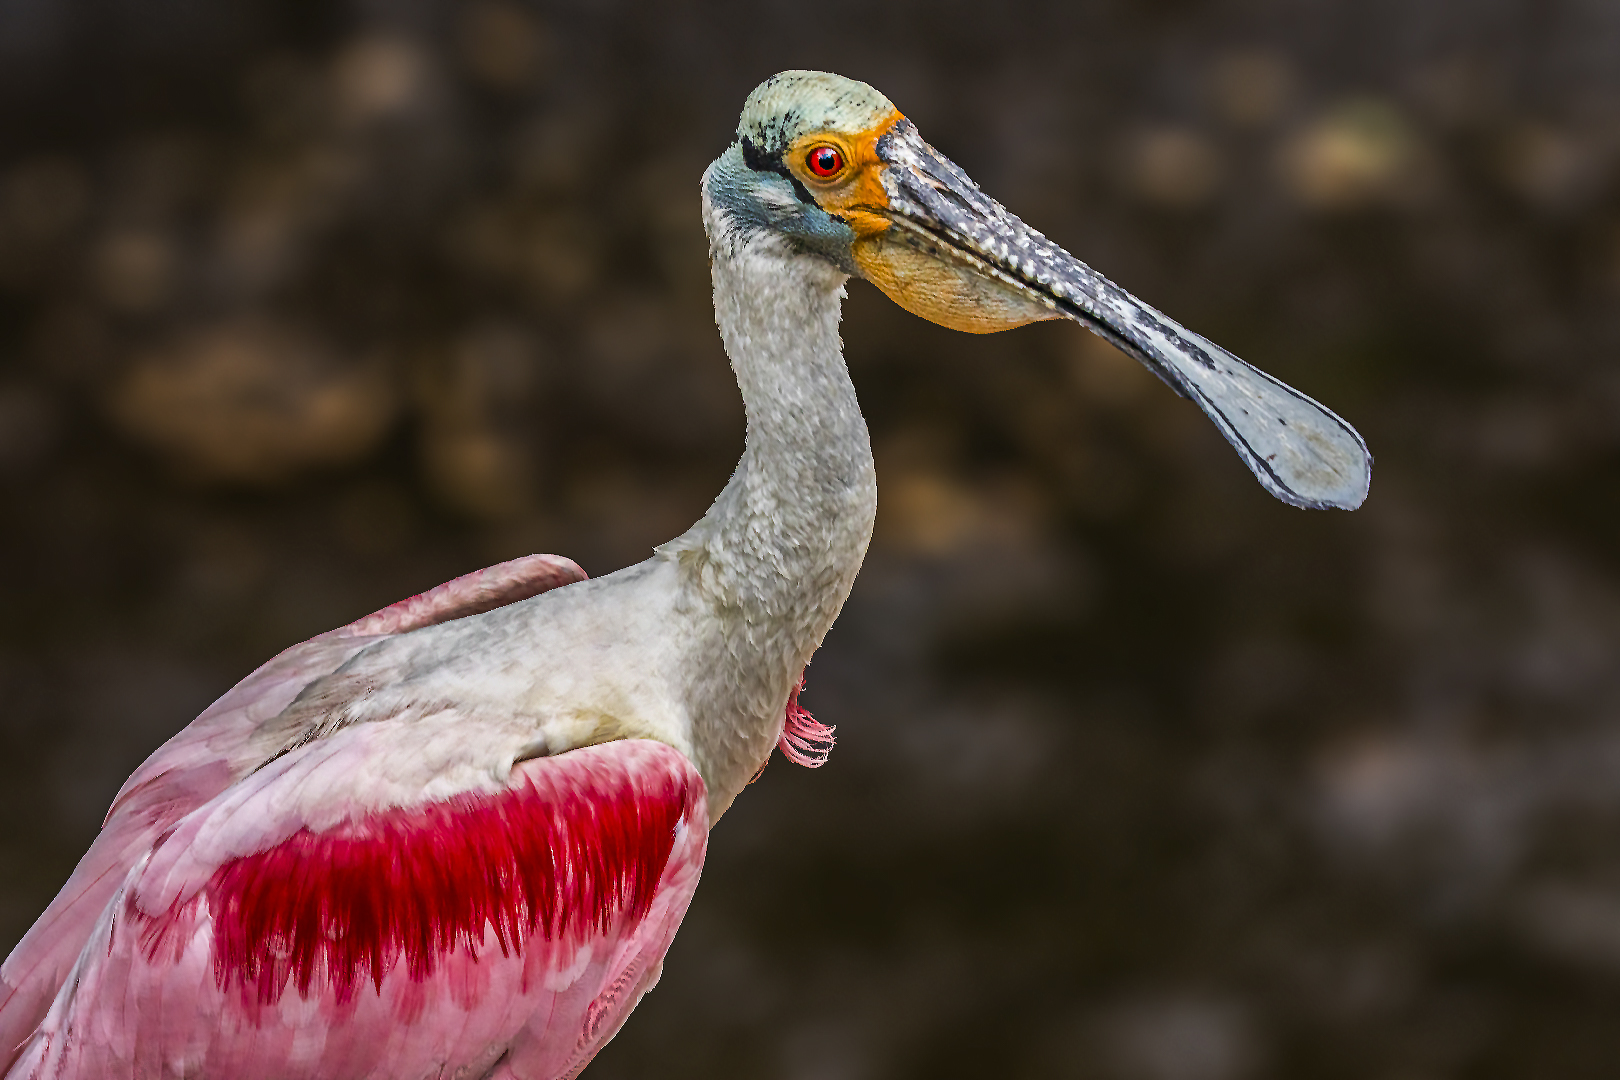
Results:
[412, 885]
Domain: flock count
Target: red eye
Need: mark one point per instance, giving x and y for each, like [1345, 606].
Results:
[824, 161]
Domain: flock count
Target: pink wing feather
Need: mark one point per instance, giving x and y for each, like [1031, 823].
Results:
[505, 932]
[209, 756]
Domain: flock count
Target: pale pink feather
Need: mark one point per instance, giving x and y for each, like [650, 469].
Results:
[210, 755]
[152, 994]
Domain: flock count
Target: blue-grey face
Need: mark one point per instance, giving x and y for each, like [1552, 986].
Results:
[761, 200]
[827, 167]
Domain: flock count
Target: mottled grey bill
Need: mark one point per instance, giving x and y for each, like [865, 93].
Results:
[1299, 450]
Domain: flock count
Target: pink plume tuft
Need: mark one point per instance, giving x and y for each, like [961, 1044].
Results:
[805, 741]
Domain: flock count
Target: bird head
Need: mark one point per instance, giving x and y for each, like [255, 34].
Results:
[828, 168]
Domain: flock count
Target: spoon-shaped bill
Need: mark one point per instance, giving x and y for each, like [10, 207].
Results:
[1301, 452]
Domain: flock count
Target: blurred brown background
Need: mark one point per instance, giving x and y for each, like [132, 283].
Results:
[307, 306]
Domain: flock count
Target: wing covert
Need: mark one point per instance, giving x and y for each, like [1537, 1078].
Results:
[215, 751]
[530, 917]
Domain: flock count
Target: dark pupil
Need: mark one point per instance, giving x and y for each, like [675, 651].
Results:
[826, 160]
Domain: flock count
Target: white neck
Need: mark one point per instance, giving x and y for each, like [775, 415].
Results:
[700, 645]
[775, 556]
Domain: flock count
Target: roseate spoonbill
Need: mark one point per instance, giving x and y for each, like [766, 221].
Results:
[455, 838]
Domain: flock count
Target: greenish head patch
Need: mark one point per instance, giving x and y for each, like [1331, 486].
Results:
[794, 103]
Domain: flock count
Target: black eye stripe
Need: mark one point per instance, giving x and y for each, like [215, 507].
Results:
[760, 161]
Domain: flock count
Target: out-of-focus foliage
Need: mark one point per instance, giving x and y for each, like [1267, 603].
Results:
[305, 307]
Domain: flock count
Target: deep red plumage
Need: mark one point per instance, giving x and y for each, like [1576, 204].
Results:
[413, 885]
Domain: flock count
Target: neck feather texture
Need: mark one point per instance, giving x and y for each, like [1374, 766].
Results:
[776, 555]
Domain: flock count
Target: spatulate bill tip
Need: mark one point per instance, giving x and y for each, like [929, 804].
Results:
[1339, 499]
[1324, 477]
[1300, 450]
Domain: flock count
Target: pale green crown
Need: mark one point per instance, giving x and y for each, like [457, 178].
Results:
[788, 105]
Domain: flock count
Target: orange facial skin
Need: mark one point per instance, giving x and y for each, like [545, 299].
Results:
[943, 290]
[856, 194]
[929, 284]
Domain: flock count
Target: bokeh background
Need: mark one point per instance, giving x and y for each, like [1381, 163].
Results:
[307, 306]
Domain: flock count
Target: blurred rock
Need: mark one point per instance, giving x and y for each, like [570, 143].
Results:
[560, 257]
[1452, 819]
[1252, 88]
[827, 1048]
[286, 96]
[1577, 924]
[376, 78]
[930, 512]
[270, 210]
[41, 201]
[1461, 90]
[224, 565]
[1176, 168]
[377, 519]
[1345, 979]
[626, 336]
[1181, 1037]
[157, 178]
[43, 198]
[552, 258]
[73, 343]
[478, 472]
[1557, 646]
[276, 209]
[29, 427]
[1377, 787]
[929, 508]
[152, 697]
[502, 44]
[1202, 528]
[477, 460]
[976, 761]
[1519, 434]
[135, 270]
[1105, 376]
[1361, 153]
[255, 403]
[1608, 263]
[559, 149]
[1548, 167]
[257, 244]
